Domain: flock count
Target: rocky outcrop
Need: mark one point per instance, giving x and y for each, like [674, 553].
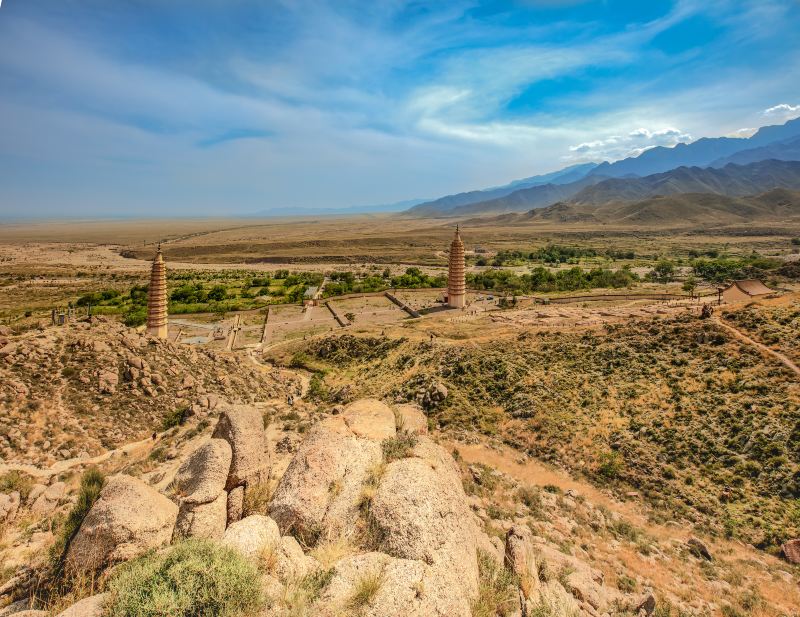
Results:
[411, 419]
[243, 428]
[93, 606]
[205, 520]
[203, 476]
[48, 499]
[252, 535]
[421, 514]
[128, 519]
[320, 491]
[370, 418]
[791, 551]
[9, 505]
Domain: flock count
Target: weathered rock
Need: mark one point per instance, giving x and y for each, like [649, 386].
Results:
[320, 490]
[647, 604]
[127, 519]
[235, 504]
[48, 500]
[35, 492]
[15, 608]
[699, 549]
[31, 613]
[396, 596]
[411, 418]
[519, 554]
[93, 606]
[370, 418]
[243, 428]
[204, 520]
[290, 562]
[108, 381]
[9, 505]
[791, 550]
[202, 477]
[420, 513]
[252, 535]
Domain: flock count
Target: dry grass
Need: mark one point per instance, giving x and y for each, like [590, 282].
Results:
[365, 590]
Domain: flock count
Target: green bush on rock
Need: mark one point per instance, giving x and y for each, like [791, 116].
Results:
[196, 578]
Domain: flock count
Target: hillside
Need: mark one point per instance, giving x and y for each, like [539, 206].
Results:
[681, 210]
[731, 180]
[788, 150]
[676, 408]
[77, 391]
[443, 205]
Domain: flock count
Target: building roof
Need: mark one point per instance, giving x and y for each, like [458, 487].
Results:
[311, 292]
[752, 287]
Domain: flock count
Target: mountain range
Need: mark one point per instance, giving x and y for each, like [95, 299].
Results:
[620, 180]
[680, 210]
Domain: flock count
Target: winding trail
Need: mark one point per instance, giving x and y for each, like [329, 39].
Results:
[760, 346]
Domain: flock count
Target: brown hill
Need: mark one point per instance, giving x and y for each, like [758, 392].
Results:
[679, 210]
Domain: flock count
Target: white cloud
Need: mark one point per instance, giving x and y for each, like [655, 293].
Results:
[742, 133]
[633, 143]
[783, 111]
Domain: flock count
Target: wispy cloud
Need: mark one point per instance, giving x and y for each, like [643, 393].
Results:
[782, 111]
[199, 106]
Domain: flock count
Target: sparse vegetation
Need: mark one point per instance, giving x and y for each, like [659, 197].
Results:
[194, 577]
[365, 589]
[92, 482]
[497, 589]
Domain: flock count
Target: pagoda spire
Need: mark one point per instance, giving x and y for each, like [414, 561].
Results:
[456, 282]
[157, 297]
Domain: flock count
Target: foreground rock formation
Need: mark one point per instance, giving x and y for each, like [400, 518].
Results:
[370, 517]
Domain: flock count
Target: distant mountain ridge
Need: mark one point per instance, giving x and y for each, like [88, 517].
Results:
[779, 142]
[662, 211]
[700, 153]
[444, 204]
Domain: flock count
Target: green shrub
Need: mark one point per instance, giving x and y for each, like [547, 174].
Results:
[16, 480]
[174, 418]
[398, 447]
[192, 579]
[92, 482]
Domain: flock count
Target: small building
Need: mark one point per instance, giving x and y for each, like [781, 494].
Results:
[745, 291]
[311, 296]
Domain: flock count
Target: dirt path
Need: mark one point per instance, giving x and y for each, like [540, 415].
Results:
[744, 337]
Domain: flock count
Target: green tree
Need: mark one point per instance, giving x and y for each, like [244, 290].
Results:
[689, 285]
[664, 271]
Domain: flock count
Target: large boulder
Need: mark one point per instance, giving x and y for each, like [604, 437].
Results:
[93, 606]
[203, 476]
[320, 491]
[128, 519]
[204, 520]
[251, 536]
[405, 588]
[243, 428]
[9, 505]
[791, 550]
[420, 512]
[370, 418]
[47, 501]
[411, 418]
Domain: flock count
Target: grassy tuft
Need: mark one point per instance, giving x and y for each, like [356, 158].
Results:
[92, 482]
[16, 480]
[497, 589]
[366, 589]
[398, 447]
[193, 578]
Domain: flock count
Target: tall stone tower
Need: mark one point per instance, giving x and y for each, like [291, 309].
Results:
[456, 283]
[157, 298]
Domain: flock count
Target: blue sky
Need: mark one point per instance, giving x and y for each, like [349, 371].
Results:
[223, 107]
